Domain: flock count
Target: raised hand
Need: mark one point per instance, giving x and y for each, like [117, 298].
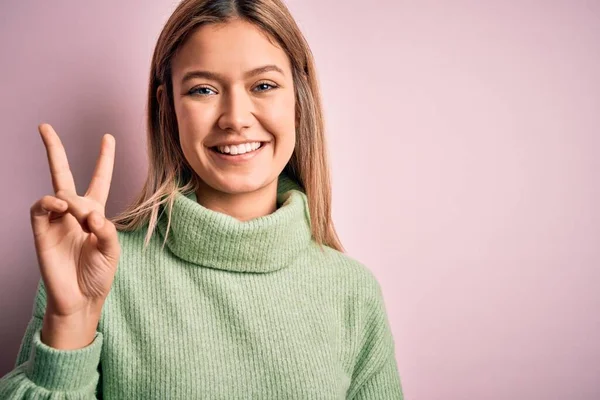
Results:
[77, 246]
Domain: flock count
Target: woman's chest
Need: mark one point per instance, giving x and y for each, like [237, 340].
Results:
[220, 340]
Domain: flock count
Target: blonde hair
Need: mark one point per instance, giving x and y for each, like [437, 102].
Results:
[168, 170]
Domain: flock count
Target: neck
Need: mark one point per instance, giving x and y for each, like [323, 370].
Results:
[241, 206]
[212, 239]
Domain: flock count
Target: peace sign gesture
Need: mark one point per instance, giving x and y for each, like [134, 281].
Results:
[77, 247]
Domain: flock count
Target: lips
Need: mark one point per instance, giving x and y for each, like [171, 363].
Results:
[237, 158]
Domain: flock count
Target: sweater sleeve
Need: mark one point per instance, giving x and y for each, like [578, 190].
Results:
[375, 375]
[42, 372]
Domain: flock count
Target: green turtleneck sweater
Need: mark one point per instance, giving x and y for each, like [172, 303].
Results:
[226, 310]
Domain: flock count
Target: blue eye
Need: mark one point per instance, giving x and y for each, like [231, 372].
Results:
[196, 89]
[263, 84]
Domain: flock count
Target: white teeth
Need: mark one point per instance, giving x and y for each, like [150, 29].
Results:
[239, 149]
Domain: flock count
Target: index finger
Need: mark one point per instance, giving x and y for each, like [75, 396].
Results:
[62, 178]
[100, 183]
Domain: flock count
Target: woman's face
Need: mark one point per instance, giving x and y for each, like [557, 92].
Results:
[235, 104]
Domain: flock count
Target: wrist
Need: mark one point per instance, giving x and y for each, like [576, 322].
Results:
[69, 332]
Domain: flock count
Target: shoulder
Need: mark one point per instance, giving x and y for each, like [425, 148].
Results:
[135, 253]
[359, 303]
[356, 280]
[134, 239]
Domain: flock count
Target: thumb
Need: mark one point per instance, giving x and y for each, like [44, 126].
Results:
[105, 231]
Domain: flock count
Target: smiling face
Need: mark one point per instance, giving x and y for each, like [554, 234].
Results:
[235, 104]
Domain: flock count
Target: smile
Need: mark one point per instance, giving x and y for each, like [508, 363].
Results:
[238, 149]
[238, 153]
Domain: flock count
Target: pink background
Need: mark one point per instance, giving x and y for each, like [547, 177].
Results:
[464, 138]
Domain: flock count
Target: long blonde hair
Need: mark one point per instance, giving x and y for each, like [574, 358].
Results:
[168, 170]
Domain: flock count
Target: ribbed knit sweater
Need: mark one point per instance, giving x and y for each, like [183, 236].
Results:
[225, 310]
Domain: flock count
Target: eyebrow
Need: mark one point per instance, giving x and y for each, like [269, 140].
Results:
[218, 77]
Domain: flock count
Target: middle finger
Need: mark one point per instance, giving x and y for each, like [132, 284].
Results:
[100, 183]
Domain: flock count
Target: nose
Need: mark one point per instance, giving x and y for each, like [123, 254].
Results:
[237, 110]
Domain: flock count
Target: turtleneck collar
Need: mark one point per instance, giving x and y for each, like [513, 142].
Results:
[212, 239]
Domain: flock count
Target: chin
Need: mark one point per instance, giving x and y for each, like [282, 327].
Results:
[239, 183]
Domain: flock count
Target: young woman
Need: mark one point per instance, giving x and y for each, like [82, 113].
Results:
[225, 279]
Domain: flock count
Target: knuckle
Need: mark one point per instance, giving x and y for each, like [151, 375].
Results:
[41, 202]
[34, 207]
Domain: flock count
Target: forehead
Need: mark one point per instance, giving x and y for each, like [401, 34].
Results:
[228, 48]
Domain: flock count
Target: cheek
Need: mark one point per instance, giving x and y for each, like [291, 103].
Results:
[279, 119]
[191, 123]
[190, 114]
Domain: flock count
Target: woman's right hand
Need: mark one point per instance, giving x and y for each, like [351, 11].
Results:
[77, 246]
